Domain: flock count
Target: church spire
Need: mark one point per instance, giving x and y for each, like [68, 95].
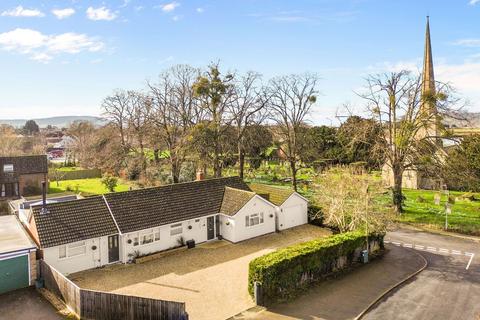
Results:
[428, 77]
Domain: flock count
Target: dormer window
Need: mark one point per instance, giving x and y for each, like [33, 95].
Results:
[7, 168]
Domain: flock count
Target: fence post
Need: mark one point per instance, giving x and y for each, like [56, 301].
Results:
[258, 293]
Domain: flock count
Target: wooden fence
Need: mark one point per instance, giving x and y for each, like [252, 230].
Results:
[92, 305]
[74, 175]
[65, 289]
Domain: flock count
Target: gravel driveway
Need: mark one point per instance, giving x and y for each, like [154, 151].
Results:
[211, 279]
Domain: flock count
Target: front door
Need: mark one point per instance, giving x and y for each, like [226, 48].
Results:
[113, 255]
[210, 228]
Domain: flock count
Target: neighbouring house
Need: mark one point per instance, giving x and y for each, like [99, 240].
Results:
[117, 227]
[291, 206]
[22, 176]
[17, 255]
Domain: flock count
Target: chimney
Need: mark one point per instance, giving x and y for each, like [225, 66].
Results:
[44, 198]
[200, 175]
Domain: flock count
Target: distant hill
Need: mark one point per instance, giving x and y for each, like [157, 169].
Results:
[59, 122]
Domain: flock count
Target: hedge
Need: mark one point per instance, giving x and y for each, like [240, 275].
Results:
[286, 272]
[75, 175]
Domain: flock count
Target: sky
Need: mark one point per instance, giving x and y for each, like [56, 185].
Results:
[63, 57]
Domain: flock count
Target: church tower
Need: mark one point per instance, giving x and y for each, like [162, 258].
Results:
[428, 107]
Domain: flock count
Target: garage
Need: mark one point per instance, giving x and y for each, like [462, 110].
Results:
[17, 255]
[292, 207]
[14, 273]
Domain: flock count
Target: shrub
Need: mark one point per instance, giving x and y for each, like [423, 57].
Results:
[285, 272]
[110, 182]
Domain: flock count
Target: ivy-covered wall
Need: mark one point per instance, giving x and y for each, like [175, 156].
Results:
[285, 272]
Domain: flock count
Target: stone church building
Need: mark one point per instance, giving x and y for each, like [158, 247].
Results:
[414, 178]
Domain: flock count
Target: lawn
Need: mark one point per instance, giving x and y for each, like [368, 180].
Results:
[85, 186]
[420, 209]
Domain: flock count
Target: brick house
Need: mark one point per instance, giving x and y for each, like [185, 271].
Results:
[22, 175]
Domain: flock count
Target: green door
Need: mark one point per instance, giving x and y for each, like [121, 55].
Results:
[13, 273]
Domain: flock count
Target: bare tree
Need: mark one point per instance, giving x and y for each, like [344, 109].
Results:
[138, 113]
[216, 93]
[250, 99]
[351, 200]
[291, 98]
[174, 112]
[115, 109]
[410, 121]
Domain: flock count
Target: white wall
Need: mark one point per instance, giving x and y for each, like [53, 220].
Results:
[236, 230]
[293, 212]
[198, 232]
[91, 258]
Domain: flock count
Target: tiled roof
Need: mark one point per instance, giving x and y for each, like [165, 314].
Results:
[275, 195]
[234, 200]
[73, 221]
[25, 164]
[146, 208]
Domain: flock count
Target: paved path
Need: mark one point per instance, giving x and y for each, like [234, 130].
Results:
[448, 289]
[26, 304]
[346, 296]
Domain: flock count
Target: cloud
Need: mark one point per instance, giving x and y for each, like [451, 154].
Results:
[43, 48]
[295, 16]
[169, 7]
[63, 13]
[467, 42]
[101, 13]
[474, 2]
[23, 12]
[200, 10]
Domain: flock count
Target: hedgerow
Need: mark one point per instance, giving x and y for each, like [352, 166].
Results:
[285, 272]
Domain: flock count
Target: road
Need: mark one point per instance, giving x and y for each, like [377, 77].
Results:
[449, 288]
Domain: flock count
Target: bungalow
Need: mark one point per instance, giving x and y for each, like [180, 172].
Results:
[96, 231]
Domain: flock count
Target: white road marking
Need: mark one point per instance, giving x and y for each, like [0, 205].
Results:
[469, 261]
[443, 250]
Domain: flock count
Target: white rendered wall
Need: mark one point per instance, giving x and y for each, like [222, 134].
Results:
[293, 212]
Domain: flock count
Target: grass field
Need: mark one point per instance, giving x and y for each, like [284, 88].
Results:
[85, 186]
[420, 209]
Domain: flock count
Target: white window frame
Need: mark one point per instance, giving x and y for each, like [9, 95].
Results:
[8, 168]
[252, 218]
[70, 247]
[64, 249]
[156, 235]
[147, 234]
[176, 229]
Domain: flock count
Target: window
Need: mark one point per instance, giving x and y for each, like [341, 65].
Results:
[147, 238]
[254, 219]
[77, 249]
[72, 250]
[176, 229]
[8, 168]
[62, 252]
[157, 235]
[135, 241]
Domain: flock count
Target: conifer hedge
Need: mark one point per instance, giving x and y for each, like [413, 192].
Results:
[285, 272]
